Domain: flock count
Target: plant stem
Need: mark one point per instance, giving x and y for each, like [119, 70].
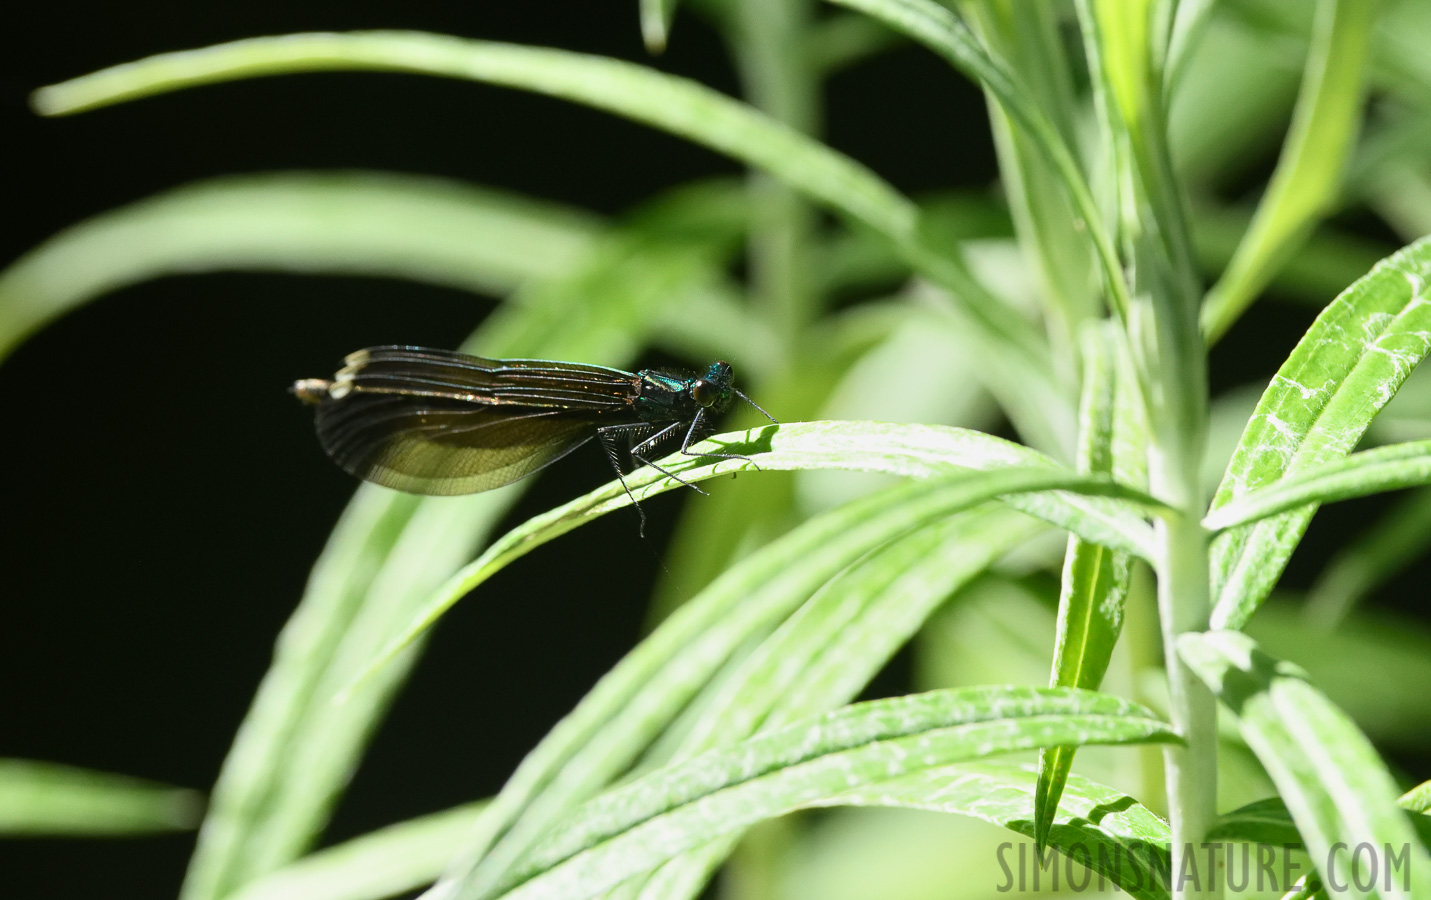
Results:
[1184, 604]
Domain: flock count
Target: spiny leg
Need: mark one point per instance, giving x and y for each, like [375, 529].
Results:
[636, 451]
[605, 435]
[690, 436]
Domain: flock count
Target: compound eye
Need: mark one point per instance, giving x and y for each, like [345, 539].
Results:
[704, 393]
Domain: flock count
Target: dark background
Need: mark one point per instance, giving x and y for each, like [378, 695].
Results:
[163, 497]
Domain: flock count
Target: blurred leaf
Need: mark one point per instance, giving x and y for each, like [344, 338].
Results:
[840, 41]
[941, 31]
[1095, 578]
[1345, 369]
[996, 630]
[635, 827]
[1308, 176]
[1218, 136]
[1028, 36]
[383, 863]
[1323, 265]
[1339, 791]
[44, 799]
[1376, 666]
[1387, 468]
[656, 16]
[1014, 363]
[1372, 558]
[364, 223]
[674, 104]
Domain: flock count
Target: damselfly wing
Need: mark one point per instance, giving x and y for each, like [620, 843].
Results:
[431, 421]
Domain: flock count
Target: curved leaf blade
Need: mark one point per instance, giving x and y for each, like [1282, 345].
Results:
[826, 652]
[1390, 468]
[1103, 828]
[382, 863]
[1337, 788]
[677, 105]
[361, 223]
[629, 830]
[1343, 371]
[941, 31]
[919, 451]
[647, 690]
[1308, 177]
[1094, 584]
[49, 799]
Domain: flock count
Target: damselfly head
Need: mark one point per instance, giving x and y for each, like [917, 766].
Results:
[713, 391]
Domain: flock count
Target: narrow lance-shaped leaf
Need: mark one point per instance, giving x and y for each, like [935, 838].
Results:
[656, 16]
[424, 229]
[677, 105]
[582, 753]
[635, 827]
[919, 451]
[941, 31]
[1337, 788]
[826, 652]
[44, 799]
[1095, 578]
[1389, 468]
[1308, 176]
[647, 690]
[1342, 372]
[383, 863]
[1104, 829]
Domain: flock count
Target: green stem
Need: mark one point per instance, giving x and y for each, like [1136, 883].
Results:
[1184, 604]
[778, 79]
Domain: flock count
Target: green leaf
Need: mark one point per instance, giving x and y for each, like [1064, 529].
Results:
[44, 799]
[297, 748]
[631, 829]
[1095, 578]
[826, 652]
[1418, 799]
[1322, 265]
[1013, 361]
[919, 451]
[647, 690]
[843, 40]
[1305, 185]
[425, 229]
[1259, 822]
[656, 16]
[1374, 664]
[941, 31]
[1027, 35]
[1337, 788]
[674, 104]
[383, 863]
[1269, 821]
[1388, 468]
[1344, 370]
[1105, 829]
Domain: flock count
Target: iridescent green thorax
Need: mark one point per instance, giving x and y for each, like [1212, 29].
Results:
[669, 395]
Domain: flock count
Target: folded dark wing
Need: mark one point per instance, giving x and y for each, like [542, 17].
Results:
[435, 422]
[499, 382]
